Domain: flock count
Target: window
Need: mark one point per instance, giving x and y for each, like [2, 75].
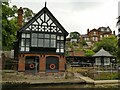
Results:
[23, 35]
[22, 49]
[53, 36]
[47, 43]
[95, 39]
[60, 37]
[40, 35]
[43, 40]
[25, 42]
[22, 42]
[86, 39]
[34, 40]
[106, 61]
[106, 35]
[40, 42]
[97, 61]
[53, 43]
[60, 44]
[101, 37]
[94, 33]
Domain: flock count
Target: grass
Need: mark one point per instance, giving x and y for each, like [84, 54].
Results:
[106, 76]
[90, 72]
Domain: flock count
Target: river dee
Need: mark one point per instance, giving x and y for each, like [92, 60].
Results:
[61, 87]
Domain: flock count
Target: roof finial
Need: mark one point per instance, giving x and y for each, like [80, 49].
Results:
[45, 4]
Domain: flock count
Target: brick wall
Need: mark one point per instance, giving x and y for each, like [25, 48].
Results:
[42, 62]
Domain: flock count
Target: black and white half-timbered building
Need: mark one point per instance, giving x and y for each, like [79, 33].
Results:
[40, 44]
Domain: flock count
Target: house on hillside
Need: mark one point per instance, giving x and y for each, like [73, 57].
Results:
[40, 44]
[96, 35]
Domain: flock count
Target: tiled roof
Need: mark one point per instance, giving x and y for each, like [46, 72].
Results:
[84, 35]
[102, 52]
[104, 29]
[77, 53]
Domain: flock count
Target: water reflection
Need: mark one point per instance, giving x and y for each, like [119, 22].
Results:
[60, 87]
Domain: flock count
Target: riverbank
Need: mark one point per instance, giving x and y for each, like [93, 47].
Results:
[12, 78]
[91, 81]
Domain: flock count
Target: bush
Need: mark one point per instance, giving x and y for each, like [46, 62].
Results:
[106, 76]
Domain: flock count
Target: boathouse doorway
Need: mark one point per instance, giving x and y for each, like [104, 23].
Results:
[31, 64]
[52, 64]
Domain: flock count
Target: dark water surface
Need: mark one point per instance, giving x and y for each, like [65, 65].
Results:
[60, 87]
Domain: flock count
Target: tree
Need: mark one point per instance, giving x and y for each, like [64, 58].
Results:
[108, 43]
[118, 52]
[89, 53]
[9, 24]
[27, 14]
[84, 43]
[9, 27]
[75, 35]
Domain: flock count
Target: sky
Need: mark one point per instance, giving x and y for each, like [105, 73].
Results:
[77, 15]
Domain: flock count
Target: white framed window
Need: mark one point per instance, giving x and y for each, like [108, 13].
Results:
[27, 35]
[98, 61]
[57, 50]
[22, 49]
[106, 35]
[58, 37]
[106, 61]
[94, 33]
[62, 50]
[95, 38]
[101, 37]
[62, 37]
[27, 48]
[23, 35]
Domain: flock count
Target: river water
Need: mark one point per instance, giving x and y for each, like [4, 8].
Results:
[61, 87]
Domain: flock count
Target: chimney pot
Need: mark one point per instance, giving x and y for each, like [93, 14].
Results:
[87, 31]
[20, 16]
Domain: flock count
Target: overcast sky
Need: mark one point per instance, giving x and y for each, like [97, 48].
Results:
[77, 15]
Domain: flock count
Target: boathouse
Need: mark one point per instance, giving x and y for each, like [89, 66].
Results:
[40, 44]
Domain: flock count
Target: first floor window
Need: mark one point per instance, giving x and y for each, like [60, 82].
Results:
[24, 44]
[40, 42]
[47, 43]
[60, 47]
[43, 40]
[23, 48]
[53, 43]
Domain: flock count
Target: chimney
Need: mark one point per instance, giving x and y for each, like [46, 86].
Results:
[20, 16]
[113, 32]
[87, 31]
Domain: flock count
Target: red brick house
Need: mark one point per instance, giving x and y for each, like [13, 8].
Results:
[40, 44]
[96, 35]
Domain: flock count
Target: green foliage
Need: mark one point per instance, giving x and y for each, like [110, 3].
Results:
[107, 76]
[75, 35]
[89, 53]
[9, 24]
[27, 14]
[84, 43]
[118, 55]
[108, 43]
